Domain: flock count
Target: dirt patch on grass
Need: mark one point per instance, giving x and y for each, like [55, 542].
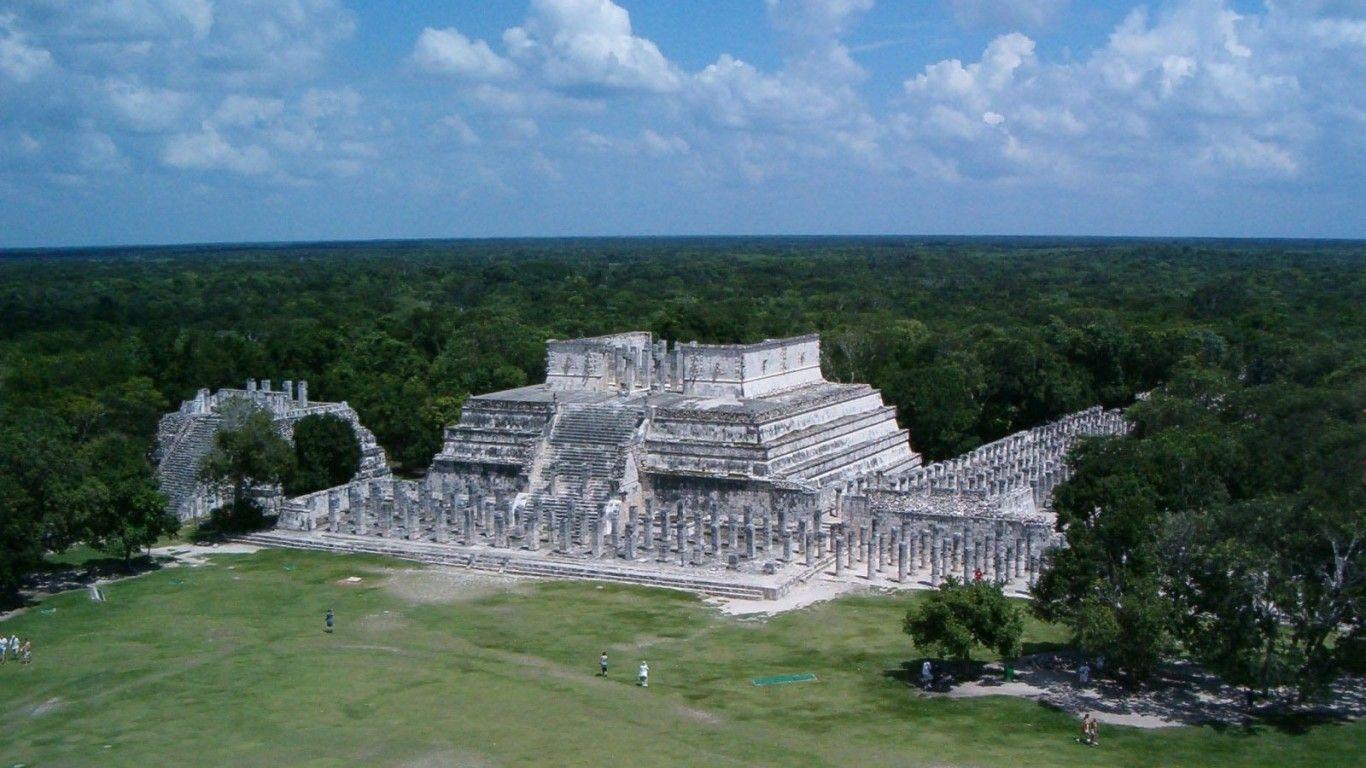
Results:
[698, 716]
[46, 707]
[449, 759]
[385, 621]
[440, 585]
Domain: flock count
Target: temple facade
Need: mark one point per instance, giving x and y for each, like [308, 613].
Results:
[642, 423]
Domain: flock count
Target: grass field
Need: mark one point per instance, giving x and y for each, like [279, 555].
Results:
[227, 664]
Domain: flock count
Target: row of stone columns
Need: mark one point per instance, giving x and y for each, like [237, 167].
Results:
[999, 553]
[395, 509]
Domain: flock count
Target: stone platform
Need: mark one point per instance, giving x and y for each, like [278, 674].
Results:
[644, 572]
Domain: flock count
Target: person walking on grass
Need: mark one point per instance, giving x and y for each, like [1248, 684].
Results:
[643, 675]
[1085, 729]
[1094, 739]
[327, 621]
[602, 664]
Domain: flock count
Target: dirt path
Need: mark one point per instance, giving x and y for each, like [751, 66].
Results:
[1180, 695]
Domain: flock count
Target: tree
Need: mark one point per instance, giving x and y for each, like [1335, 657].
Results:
[957, 617]
[45, 492]
[326, 454]
[247, 453]
[1228, 527]
[133, 513]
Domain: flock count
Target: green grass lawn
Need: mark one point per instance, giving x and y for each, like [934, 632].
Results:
[227, 664]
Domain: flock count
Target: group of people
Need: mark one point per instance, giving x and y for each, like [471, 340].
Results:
[642, 674]
[12, 647]
[1090, 730]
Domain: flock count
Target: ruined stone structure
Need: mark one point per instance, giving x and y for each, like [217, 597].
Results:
[733, 470]
[986, 513]
[184, 436]
[624, 421]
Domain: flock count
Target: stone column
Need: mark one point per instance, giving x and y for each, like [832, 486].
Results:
[648, 530]
[807, 549]
[871, 558]
[715, 536]
[630, 551]
[334, 511]
[849, 547]
[839, 556]
[934, 559]
[598, 536]
[680, 539]
[749, 540]
[443, 521]
[903, 558]
[787, 547]
[1019, 557]
[733, 533]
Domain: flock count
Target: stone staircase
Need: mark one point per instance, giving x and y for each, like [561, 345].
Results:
[584, 456]
[504, 561]
[178, 467]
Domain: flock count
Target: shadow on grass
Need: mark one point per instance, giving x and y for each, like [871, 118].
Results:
[52, 577]
[1031, 648]
[946, 673]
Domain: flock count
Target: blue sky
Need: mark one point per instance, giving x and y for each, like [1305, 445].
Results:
[160, 121]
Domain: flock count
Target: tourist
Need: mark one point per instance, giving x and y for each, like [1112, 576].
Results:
[26, 652]
[327, 620]
[1085, 729]
[1095, 733]
[643, 675]
[926, 674]
[1084, 673]
[602, 664]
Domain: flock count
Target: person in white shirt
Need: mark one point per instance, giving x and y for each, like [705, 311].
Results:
[643, 675]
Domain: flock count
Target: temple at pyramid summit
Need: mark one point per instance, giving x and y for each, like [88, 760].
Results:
[629, 419]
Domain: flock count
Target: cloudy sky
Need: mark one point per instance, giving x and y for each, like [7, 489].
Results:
[159, 121]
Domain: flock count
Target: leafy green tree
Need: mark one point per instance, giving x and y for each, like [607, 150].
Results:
[957, 617]
[326, 454]
[45, 492]
[247, 454]
[132, 514]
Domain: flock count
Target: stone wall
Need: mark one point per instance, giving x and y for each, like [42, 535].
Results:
[186, 435]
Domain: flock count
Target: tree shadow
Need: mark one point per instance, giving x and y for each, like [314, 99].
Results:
[1033, 648]
[50, 578]
[946, 673]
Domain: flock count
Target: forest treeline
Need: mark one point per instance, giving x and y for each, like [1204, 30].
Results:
[970, 339]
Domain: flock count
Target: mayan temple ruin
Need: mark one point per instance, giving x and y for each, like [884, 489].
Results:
[731, 470]
[186, 435]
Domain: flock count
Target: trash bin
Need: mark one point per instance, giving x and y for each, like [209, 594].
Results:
[1010, 673]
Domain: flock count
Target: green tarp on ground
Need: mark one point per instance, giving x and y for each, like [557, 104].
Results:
[802, 677]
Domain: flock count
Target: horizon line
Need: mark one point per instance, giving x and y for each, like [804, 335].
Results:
[282, 244]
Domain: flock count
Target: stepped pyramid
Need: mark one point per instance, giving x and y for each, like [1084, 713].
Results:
[631, 419]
